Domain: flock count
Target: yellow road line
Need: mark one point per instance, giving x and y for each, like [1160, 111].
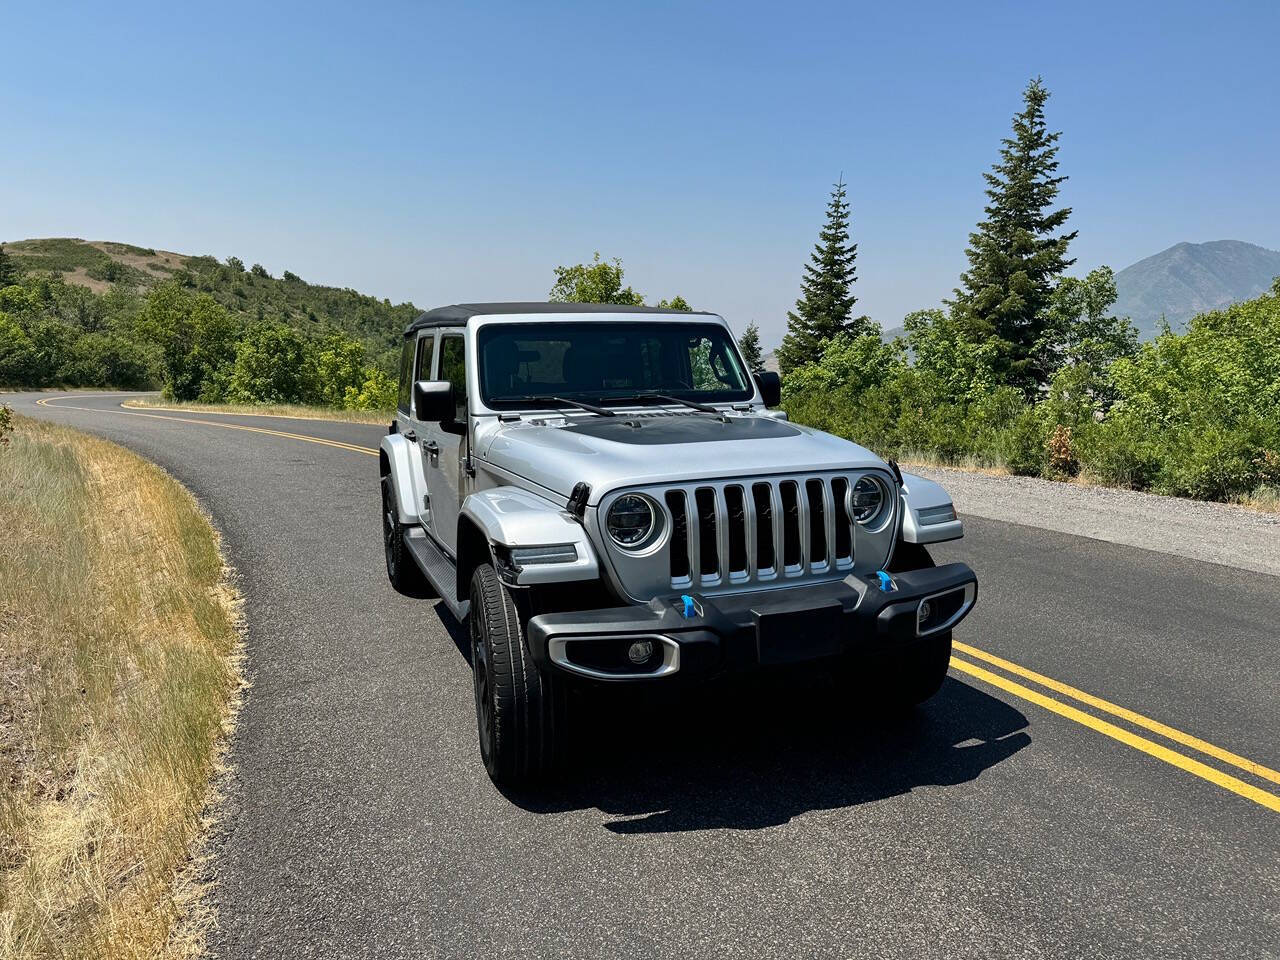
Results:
[1150, 747]
[213, 423]
[251, 413]
[1155, 726]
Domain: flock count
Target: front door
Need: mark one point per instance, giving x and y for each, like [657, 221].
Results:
[445, 448]
[420, 365]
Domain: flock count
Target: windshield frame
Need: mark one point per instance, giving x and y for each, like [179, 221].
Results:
[486, 331]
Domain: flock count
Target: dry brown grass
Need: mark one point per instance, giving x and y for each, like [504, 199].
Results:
[292, 411]
[119, 671]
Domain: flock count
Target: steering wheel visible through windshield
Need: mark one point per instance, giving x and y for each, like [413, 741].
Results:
[600, 362]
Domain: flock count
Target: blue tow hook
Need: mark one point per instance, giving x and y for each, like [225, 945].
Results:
[688, 605]
[886, 581]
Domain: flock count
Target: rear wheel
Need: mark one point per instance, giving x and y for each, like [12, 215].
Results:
[521, 710]
[402, 571]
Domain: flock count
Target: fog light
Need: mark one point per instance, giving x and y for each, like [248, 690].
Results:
[640, 651]
[926, 611]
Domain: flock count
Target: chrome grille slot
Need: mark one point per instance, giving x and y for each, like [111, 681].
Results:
[816, 492]
[792, 549]
[679, 537]
[706, 502]
[736, 508]
[843, 522]
[762, 500]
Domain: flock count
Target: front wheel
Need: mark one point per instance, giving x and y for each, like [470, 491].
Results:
[520, 709]
[921, 672]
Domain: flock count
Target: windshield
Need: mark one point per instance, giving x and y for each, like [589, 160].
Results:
[521, 363]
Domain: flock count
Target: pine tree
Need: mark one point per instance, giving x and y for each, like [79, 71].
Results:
[1016, 255]
[749, 345]
[826, 301]
[8, 269]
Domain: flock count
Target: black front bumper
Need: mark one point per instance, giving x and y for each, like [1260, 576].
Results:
[759, 629]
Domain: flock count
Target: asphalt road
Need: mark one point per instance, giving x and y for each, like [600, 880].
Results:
[1011, 816]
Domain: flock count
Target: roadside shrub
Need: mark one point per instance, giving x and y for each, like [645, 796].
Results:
[1060, 453]
[1022, 445]
[1214, 463]
[6, 424]
[1118, 453]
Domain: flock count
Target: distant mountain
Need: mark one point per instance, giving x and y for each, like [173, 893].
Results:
[1191, 278]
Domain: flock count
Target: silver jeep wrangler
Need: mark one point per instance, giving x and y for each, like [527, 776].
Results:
[604, 495]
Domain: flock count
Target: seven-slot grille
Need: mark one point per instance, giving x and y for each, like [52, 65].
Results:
[742, 531]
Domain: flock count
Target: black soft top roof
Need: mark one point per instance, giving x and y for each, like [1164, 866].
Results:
[457, 314]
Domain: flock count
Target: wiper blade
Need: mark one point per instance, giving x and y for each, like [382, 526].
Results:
[589, 407]
[666, 398]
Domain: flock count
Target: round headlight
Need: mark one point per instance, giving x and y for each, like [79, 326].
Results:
[866, 500]
[630, 520]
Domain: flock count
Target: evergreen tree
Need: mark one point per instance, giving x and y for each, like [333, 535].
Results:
[825, 307]
[1016, 254]
[8, 269]
[749, 345]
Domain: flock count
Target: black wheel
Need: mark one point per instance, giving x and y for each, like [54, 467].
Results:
[910, 556]
[403, 573]
[520, 710]
[921, 671]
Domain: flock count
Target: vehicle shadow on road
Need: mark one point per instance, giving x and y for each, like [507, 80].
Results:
[755, 753]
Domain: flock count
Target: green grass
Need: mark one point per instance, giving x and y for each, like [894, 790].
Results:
[119, 668]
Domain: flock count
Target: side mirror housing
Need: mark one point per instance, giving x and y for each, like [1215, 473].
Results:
[770, 385]
[433, 401]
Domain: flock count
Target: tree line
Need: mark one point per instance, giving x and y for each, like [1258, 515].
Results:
[1026, 367]
[213, 333]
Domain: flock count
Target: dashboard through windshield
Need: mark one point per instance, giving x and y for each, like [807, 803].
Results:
[533, 364]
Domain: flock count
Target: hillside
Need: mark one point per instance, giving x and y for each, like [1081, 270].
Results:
[1191, 278]
[248, 292]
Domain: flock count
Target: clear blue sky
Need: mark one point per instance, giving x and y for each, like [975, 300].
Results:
[460, 151]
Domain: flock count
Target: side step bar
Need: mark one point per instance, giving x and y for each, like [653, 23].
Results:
[437, 568]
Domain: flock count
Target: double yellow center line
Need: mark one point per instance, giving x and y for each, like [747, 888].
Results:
[987, 674]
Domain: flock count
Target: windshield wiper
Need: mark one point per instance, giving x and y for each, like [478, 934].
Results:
[666, 398]
[589, 407]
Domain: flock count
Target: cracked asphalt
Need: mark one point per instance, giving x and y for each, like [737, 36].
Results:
[753, 819]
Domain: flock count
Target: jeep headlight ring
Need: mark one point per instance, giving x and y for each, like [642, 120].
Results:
[865, 500]
[632, 520]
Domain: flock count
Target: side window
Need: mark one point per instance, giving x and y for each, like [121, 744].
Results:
[453, 367]
[426, 349]
[406, 379]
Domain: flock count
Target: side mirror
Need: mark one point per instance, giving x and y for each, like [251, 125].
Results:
[770, 385]
[433, 401]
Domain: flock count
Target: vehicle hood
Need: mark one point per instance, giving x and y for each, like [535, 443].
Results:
[636, 450]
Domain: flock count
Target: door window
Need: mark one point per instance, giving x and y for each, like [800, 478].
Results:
[426, 349]
[406, 379]
[453, 367]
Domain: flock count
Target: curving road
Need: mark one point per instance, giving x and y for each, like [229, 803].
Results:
[1097, 778]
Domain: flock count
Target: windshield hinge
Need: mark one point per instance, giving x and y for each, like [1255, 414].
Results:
[577, 505]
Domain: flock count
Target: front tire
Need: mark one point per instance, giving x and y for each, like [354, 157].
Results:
[917, 674]
[521, 715]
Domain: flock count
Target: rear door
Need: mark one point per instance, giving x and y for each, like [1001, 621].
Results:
[444, 447]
